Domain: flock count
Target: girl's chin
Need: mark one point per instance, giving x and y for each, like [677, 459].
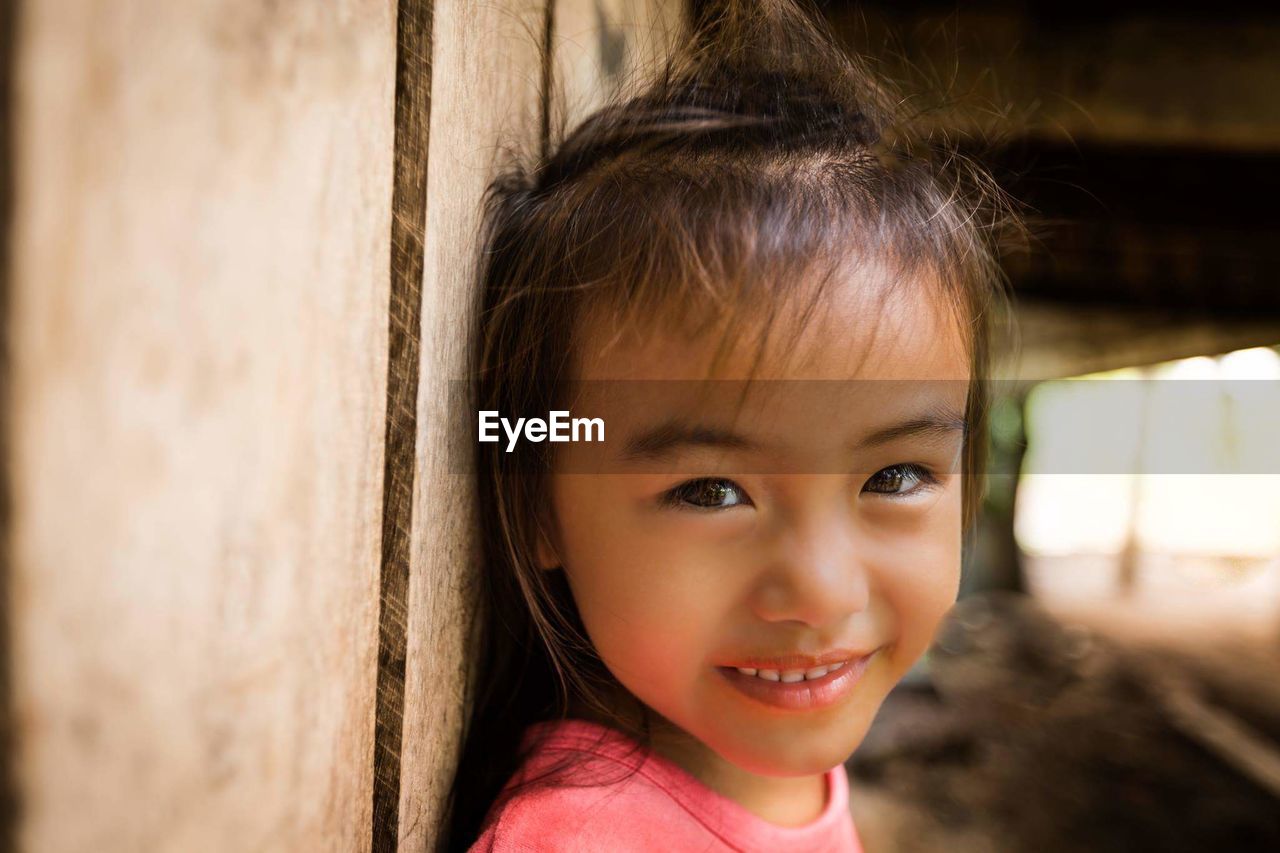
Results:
[789, 744]
[806, 754]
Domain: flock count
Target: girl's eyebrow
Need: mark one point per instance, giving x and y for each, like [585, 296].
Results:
[664, 439]
[937, 423]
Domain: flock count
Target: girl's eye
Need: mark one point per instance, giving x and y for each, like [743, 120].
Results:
[707, 493]
[898, 480]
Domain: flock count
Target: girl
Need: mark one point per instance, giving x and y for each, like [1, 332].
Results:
[777, 307]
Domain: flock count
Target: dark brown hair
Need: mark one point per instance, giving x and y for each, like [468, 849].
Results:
[762, 155]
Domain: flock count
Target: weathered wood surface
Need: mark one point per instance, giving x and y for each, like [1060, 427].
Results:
[199, 339]
[1071, 74]
[486, 72]
[489, 94]
[601, 47]
[408, 210]
[208, 601]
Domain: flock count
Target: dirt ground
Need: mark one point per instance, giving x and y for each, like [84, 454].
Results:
[1038, 732]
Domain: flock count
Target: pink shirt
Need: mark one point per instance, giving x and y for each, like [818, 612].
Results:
[623, 798]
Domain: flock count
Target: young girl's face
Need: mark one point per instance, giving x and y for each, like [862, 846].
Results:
[760, 571]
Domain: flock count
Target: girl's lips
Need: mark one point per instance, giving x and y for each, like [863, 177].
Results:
[804, 695]
[835, 656]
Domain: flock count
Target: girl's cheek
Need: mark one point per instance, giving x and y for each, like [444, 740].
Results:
[680, 591]
[651, 587]
[922, 585]
[655, 630]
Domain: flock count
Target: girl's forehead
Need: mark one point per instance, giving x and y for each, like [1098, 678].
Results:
[907, 331]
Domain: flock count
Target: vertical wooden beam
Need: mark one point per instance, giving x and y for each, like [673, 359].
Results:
[497, 72]
[8, 780]
[408, 223]
[197, 395]
[486, 68]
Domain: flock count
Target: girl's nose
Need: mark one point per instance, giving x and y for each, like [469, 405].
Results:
[816, 575]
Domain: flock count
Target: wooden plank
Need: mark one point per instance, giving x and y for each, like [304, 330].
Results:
[409, 207]
[486, 72]
[8, 782]
[197, 396]
[1055, 341]
[489, 93]
[604, 46]
[1073, 73]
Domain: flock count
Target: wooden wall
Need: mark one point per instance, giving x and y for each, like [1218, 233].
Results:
[240, 274]
[499, 105]
[198, 343]
[508, 102]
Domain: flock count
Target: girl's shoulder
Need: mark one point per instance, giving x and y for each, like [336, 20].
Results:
[586, 787]
[621, 817]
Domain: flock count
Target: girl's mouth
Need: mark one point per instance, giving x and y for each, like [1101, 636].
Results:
[795, 688]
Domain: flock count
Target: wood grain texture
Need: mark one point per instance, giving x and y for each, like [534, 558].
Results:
[198, 389]
[1146, 77]
[500, 79]
[408, 224]
[486, 69]
[603, 46]
[8, 784]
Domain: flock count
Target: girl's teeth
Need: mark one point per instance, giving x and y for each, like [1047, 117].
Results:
[791, 676]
